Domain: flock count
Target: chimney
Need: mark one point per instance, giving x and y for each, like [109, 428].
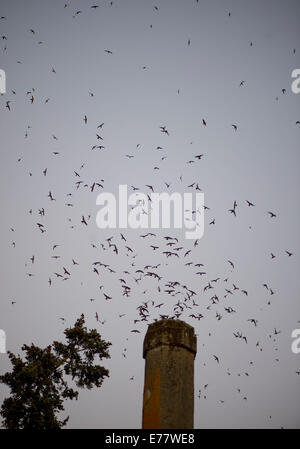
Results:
[170, 347]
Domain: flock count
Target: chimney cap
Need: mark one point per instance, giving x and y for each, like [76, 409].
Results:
[170, 332]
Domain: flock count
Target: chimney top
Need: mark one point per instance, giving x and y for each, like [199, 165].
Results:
[171, 333]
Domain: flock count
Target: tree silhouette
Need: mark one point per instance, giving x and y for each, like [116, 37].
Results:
[38, 386]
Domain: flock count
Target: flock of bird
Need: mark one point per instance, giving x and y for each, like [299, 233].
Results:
[211, 297]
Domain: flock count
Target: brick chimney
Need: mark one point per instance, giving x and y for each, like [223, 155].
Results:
[170, 347]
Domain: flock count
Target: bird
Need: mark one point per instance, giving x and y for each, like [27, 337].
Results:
[66, 271]
[164, 130]
[253, 320]
[107, 297]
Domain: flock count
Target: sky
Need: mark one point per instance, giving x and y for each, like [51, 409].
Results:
[196, 68]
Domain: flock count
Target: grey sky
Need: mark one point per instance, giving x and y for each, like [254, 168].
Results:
[259, 162]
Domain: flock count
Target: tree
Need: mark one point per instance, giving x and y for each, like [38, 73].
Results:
[38, 386]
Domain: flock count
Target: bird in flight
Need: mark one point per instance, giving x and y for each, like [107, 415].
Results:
[83, 221]
[51, 197]
[107, 297]
[164, 130]
[253, 320]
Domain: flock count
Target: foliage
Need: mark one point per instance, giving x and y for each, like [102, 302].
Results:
[38, 386]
